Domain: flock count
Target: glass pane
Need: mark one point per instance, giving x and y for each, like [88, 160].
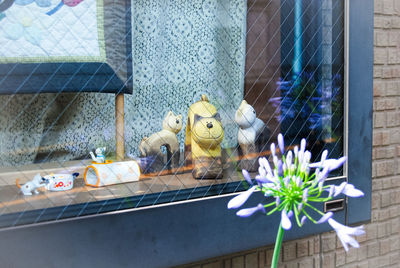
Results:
[213, 83]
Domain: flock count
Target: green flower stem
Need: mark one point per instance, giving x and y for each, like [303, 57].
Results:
[277, 249]
[313, 208]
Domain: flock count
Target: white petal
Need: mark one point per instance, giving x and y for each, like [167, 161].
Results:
[240, 199]
[285, 221]
[349, 190]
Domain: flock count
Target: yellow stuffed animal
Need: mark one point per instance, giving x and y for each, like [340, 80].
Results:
[204, 134]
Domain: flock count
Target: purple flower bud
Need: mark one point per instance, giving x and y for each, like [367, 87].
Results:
[303, 145]
[303, 220]
[289, 159]
[247, 212]
[273, 149]
[323, 175]
[305, 195]
[324, 156]
[247, 177]
[281, 143]
[275, 160]
[285, 221]
[326, 217]
[261, 179]
[286, 181]
[331, 190]
[277, 200]
[296, 151]
[299, 181]
[265, 164]
[307, 157]
[280, 168]
[320, 185]
[240, 199]
[290, 214]
[300, 207]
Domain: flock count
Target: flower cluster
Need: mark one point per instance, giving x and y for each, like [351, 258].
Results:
[295, 188]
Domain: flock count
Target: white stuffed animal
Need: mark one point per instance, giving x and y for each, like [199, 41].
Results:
[31, 186]
[250, 126]
[100, 155]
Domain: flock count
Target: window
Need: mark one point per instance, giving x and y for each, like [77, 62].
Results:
[189, 66]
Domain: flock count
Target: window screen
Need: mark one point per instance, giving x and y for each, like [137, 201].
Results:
[212, 82]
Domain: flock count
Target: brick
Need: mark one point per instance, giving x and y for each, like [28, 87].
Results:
[388, 7]
[383, 214]
[394, 212]
[289, 251]
[381, 169]
[228, 263]
[394, 259]
[261, 259]
[306, 263]
[217, 264]
[380, 55]
[377, 71]
[384, 246]
[328, 241]
[382, 38]
[379, 105]
[390, 104]
[385, 199]
[302, 248]
[378, 7]
[392, 88]
[376, 185]
[382, 22]
[371, 231]
[311, 247]
[393, 39]
[340, 257]
[392, 56]
[238, 262]
[379, 88]
[251, 260]
[373, 250]
[395, 23]
[291, 265]
[383, 229]
[328, 260]
[395, 243]
[351, 255]
[362, 252]
[268, 256]
[379, 119]
[375, 200]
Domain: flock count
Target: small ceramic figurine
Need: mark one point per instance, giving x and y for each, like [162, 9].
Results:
[100, 155]
[204, 134]
[60, 182]
[151, 146]
[253, 135]
[31, 186]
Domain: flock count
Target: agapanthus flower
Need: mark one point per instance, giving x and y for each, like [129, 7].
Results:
[294, 189]
[344, 233]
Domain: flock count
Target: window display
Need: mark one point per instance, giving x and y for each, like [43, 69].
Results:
[212, 83]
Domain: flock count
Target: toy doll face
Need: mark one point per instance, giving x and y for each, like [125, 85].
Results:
[245, 115]
[208, 131]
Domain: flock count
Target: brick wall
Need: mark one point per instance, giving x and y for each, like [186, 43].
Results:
[380, 247]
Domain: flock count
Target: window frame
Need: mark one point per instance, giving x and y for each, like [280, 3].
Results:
[188, 231]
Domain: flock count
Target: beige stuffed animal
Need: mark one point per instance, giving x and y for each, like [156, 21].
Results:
[151, 146]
